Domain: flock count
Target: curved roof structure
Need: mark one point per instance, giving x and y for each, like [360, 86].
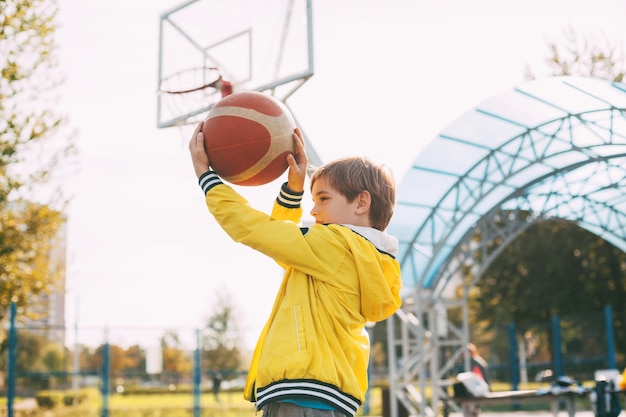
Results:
[552, 148]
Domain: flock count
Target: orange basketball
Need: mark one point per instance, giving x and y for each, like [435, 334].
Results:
[248, 136]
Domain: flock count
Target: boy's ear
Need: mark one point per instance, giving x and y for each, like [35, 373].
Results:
[363, 202]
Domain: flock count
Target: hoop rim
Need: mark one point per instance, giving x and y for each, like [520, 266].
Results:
[215, 84]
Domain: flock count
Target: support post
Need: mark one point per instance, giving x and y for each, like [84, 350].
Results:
[197, 375]
[514, 361]
[556, 336]
[369, 327]
[106, 371]
[12, 360]
[392, 363]
[610, 336]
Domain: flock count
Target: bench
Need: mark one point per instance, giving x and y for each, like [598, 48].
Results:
[469, 404]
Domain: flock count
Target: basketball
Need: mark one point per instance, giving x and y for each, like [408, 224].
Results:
[247, 136]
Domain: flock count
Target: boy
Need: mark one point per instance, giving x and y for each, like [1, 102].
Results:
[312, 355]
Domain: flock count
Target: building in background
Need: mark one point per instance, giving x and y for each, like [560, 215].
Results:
[46, 311]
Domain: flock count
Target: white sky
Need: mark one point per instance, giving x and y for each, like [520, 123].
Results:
[144, 253]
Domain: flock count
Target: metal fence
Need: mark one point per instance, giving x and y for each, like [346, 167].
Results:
[120, 361]
[575, 346]
[136, 360]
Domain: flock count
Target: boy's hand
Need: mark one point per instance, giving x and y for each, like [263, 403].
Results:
[297, 164]
[199, 157]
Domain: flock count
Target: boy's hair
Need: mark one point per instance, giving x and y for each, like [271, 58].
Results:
[349, 176]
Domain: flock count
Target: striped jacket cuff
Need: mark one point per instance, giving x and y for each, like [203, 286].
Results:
[208, 180]
[288, 198]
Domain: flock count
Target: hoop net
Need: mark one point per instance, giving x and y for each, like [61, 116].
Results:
[185, 92]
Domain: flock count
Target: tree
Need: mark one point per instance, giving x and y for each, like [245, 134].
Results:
[131, 360]
[53, 357]
[176, 362]
[34, 152]
[591, 56]
[134, 360]
[557, 268]
[220, 339]
[87, 359]
[36, 354]
[553, 268]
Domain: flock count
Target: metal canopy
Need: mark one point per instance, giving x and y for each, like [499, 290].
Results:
[552, 148]
[555, 147]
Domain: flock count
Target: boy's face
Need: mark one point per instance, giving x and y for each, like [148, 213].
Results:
[330, 206]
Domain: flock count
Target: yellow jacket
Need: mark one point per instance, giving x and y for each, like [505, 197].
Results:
[337, 278]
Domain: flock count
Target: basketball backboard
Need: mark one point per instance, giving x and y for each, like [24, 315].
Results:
[253, 45]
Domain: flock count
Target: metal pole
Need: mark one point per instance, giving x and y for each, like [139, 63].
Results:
[309, 14]
[513, 359]
[197, 376]
[12, 360]
[76, 357]
[434, 361]
[421, 350]
[369, 327]
[466, 331]
[392, 364]
[558, 359]
[610, 337]
[106, 369]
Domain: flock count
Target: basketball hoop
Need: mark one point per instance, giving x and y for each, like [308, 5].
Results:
[192, 80]
[192, 92]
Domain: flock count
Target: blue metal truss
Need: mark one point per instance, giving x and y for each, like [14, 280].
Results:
[553, 148]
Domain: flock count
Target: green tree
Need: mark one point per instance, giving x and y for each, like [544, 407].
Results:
[556, 268]
[553, 268]
[29, 353]
[220, 338]
[36, 353]
[34, 151]
[53, 357]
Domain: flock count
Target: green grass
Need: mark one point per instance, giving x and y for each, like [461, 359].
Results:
[232, 404]
[230, 399]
